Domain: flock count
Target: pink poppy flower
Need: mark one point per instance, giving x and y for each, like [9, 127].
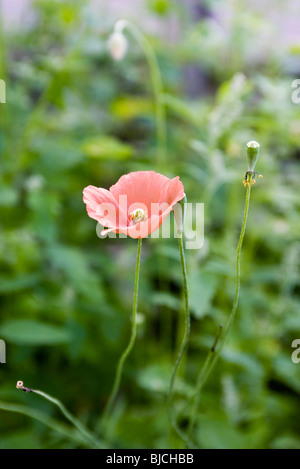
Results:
[136, 205]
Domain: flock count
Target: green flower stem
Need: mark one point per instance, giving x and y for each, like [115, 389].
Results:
[65, 430]
[156, 83]
[129, 347]
[77, 424]
[205, 367]
[214, 353]
[80, 427]
[183, 346]
[203, 375]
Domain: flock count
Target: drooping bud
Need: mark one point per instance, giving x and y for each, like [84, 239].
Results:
[117, 45]
[179, 210]
[252, 154]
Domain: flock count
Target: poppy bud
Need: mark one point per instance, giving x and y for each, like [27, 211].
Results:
[179, 214]
[117, 45]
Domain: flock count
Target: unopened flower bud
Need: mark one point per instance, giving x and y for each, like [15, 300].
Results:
[179, 214]
[117, 45]
[252, 154]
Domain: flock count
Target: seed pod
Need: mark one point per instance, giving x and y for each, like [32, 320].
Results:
[252, 154]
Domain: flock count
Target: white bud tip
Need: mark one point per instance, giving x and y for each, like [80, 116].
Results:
[117, 45]
[253, 144]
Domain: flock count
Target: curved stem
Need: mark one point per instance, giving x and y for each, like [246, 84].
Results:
[156, 82]
[45, 419]
[213, 357]
[80, 427]
[77, 424]
[204, 369]
[183, 346]
[129, 347]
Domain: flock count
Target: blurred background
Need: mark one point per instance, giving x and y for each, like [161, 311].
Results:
[74, 117]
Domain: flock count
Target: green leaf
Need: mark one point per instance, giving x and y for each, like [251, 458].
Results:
[56, 154]
[19, 440]
[8, 197]
[219, 434]
[129, 107]
[161, 7]
[156, 378]
[167, 300]
[182, 109]
[202, 289]
[18, 283]
[107, 148]
[29, 332]
[285, 370]
[286, 441]
[75, 267]
[66, 430]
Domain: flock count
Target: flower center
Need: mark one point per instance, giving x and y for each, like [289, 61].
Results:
[138, 215]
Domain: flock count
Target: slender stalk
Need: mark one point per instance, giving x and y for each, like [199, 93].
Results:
[213, 357]
[206, 365]
[129, 347]
[203, 375]
[156, 83]
[183, 345]
[65, 430]
[77, 424]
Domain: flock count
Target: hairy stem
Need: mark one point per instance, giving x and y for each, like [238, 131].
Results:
[214, 354]
[129, 347]
[183, 345]
[156, 83]
[45, 419]
[88, 437]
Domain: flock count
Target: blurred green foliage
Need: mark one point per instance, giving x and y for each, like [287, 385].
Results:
[74, 118]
